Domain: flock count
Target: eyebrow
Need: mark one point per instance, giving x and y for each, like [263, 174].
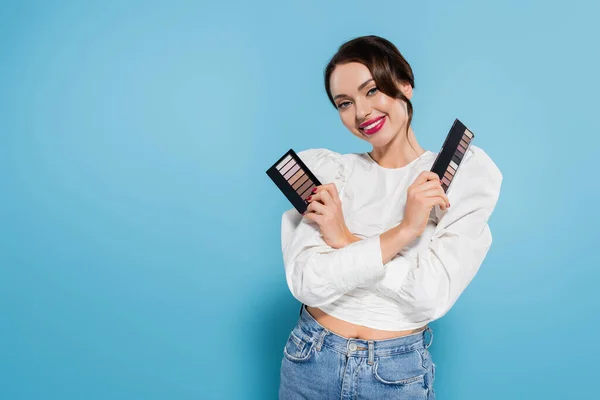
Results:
[362, 85]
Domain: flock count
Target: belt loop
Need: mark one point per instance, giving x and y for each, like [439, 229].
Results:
[321, 338]
[430, 336]
[371, 352]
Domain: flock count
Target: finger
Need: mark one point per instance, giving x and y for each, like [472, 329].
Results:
[437, 194]
[428, 186]
[322, 196]
[424, 177]
[331, 190]
[438, 191]
[437, 201]
[415, 188]
[313, 217]
[316, 208]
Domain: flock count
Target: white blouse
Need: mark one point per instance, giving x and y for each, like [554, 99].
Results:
[422, 282]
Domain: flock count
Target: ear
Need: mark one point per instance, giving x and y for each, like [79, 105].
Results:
[406, 89]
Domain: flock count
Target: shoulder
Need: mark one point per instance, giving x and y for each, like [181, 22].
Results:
[477, 183]
[320, 156]
[327, 165]
[480, 162]
[475, 187]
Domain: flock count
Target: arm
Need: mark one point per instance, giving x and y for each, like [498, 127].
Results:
[391, 242]
[318, 274]
[428, 279]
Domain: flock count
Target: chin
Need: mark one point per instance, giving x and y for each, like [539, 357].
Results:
[378, 140]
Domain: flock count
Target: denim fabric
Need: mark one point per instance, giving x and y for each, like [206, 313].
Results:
[320, 364]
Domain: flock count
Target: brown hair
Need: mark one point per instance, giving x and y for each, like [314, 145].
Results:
[383, 59]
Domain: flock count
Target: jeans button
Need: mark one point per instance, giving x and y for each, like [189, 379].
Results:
[353, 347]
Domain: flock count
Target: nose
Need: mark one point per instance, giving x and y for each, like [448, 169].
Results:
[363, 110]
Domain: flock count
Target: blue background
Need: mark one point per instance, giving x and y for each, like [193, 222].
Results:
[139, 238]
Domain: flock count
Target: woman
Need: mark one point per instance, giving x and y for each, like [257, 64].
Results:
[381, 251]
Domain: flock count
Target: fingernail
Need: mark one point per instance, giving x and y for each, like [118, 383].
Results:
[314, 190]
[308, 198]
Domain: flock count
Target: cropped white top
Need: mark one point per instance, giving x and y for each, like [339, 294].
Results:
[424, 280]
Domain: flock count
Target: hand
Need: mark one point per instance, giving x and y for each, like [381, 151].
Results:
[325, 208]
[425, 193]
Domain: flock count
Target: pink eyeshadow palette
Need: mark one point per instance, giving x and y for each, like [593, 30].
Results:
[452, 153]
[294, 179]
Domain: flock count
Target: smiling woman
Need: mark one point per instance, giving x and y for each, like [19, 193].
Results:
[379, 253]
[385, 82]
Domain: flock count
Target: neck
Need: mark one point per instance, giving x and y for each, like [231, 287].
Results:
[398, 152]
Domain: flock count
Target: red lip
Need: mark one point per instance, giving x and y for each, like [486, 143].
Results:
[369, 122]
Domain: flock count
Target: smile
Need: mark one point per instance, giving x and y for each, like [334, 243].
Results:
[374, 127]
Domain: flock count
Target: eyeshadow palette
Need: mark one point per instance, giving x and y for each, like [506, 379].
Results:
[452, 153]
[294, 179]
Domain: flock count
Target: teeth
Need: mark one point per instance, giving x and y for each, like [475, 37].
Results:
[372, 125]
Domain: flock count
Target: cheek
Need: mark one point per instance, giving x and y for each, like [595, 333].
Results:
[397, 109]
[386, 105]
[383, 101]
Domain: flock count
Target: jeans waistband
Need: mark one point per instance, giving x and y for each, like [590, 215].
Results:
[362, 347]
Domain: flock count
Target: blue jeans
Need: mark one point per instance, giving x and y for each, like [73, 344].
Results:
[320, 364]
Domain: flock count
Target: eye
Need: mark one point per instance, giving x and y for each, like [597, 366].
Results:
[341, 105]
[374, 88]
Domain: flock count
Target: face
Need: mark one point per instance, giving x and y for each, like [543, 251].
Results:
[367, 112]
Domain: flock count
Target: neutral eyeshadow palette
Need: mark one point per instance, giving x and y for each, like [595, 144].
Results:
[294, 179]
[452, 153]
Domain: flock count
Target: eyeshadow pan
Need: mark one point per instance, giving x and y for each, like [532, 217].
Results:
[453, 151]
[307, 192]
[294, 179]
[291, 172]
[287, 167]
[283, 162]
[304, 187]
[300, 182]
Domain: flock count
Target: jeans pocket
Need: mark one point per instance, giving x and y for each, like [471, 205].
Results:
[299, 346]
[400, 369]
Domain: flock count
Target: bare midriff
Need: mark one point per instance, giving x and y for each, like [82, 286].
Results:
[353, 331]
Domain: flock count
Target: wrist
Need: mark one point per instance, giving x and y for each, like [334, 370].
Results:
[404, 234]
[350, 238]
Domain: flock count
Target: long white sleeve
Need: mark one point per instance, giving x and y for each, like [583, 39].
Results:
[316, 273]
[428, 281]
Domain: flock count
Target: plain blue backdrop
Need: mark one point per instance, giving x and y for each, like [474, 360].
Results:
[140, 236]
